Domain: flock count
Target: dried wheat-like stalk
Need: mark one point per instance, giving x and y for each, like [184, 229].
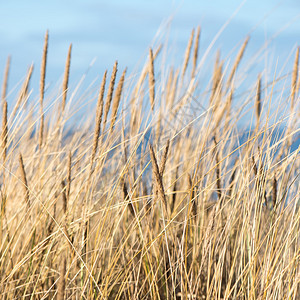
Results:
[192, 196]
[69, 176]
[42, 88]
[217, 80]
[294, 78]
[64, 196]
[218, 108]
[218, 171]
[196, 50]
[85, 233]
[274, 191]
[173, 89]
[41, 133]
[232, 178]
[143, 76]
[151, 79]
[23, 92]
[110, 93]
[217, 62]
[99, 113]
[297, 87]
[259, 177]
[207, 237]
[188, 53]
[254, 166]
[258, 100]
[157, 51]
[24, 180]
[43, 68]
[116, 101]
[66, 78]
[158, 177]
[164, 159]
[162, 168]
[169, 84]
[52, 222]
[61, 288]
[124, 147]
[5, 81]
[229, 100]
[174, 192]
[4, 132]
[147, 198]
[237, 62]
[126, 197]
[228, 108]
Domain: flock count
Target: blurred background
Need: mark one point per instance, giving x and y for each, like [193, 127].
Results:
[123, 30]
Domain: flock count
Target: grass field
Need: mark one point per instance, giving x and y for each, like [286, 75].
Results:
[158, 192]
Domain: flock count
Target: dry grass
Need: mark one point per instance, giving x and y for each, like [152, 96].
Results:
[109, 96]
[42, 88]
[151, 79]
[174, 201]
[5, 80]
[66, 76]
[294, 78]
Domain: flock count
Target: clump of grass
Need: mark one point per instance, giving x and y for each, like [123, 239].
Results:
[175, 201]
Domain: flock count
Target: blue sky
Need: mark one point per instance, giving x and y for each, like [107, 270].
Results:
[123, 30]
